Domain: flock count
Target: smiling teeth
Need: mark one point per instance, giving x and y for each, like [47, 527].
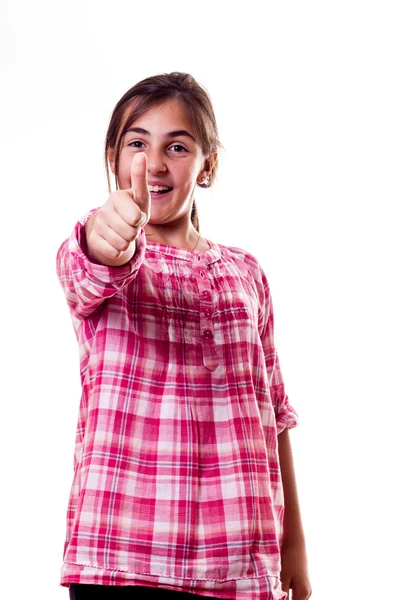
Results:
[157, 188]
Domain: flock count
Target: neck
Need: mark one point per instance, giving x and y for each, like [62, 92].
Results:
[162, 234]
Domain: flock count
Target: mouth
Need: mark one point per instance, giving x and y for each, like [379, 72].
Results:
[159, 193]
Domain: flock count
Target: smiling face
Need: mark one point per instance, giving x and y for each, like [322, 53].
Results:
[174, 159]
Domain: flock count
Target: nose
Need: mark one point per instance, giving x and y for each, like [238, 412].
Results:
[155, 161]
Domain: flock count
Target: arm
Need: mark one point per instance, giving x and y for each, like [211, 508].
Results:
[86, 282]
[294, 574]
[294, 569]
[293, 533]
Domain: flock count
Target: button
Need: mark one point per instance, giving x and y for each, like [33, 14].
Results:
[207, 333]
[207, 313]
[199, 258]
[205, 294]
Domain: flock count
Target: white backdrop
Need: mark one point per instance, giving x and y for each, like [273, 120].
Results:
[307, 100]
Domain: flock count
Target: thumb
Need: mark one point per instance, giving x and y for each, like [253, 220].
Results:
[139, 186]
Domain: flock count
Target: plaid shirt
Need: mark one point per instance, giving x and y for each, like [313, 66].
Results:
[176, 470]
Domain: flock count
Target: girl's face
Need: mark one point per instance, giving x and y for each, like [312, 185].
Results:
[174, 159]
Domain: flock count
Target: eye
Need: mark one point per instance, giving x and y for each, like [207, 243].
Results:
[181, 148]
[132, 144]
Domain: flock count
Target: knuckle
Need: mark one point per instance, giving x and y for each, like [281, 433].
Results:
[115, 253]
[141, 220]
[132, 235]
[137, 219]
[119, 243]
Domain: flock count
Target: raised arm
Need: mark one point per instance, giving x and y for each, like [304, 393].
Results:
[106, 248]
[87, 284]
[112, 230]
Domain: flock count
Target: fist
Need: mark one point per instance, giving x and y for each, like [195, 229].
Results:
[119, 221]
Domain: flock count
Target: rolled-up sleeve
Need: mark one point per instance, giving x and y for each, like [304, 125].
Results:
[286, 416]
[87, 284]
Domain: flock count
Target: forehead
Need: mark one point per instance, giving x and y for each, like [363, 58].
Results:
[166, 116]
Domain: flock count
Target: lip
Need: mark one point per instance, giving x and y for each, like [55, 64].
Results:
[155, 196]
[160, 183]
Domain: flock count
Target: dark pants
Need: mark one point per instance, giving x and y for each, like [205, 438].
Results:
[83, 591]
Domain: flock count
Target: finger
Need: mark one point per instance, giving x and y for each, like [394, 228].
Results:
[120, 220]
[301, 593]
[140, 190]
[106, 249]
[286, 588]
[285, 584]
[115, 240]
[125, 207]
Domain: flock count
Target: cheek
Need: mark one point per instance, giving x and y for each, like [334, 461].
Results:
[188, 175]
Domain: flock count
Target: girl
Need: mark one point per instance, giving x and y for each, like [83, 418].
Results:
[182, 463]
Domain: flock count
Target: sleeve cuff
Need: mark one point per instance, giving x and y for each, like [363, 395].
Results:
[287, 420]
[285, 415]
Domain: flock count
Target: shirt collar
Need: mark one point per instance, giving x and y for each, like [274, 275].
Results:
[208, 257]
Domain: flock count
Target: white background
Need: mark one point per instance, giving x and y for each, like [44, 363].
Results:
[307, 101]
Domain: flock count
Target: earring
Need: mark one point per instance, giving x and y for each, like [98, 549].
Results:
[205, 179]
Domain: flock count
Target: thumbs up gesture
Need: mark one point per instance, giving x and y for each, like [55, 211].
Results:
[111, 230]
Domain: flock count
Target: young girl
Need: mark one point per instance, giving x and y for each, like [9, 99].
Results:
[182, 463]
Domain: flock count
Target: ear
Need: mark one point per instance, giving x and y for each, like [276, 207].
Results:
[208, 167]
[111, 159]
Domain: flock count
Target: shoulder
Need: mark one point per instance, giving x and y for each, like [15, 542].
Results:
[243, 257]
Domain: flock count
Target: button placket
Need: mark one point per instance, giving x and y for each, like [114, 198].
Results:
[206, 312]
[206, 307]
[210, 355]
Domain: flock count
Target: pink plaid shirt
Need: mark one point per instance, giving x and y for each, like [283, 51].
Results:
[176, 470]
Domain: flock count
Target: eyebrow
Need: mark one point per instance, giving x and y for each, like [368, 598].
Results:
[170, 134]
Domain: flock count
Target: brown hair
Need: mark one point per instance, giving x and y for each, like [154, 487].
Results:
[153, 91]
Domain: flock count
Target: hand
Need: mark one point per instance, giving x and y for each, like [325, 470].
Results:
[119, 221]
[294, 572]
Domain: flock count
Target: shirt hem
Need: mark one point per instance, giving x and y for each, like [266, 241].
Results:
[157, 575]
